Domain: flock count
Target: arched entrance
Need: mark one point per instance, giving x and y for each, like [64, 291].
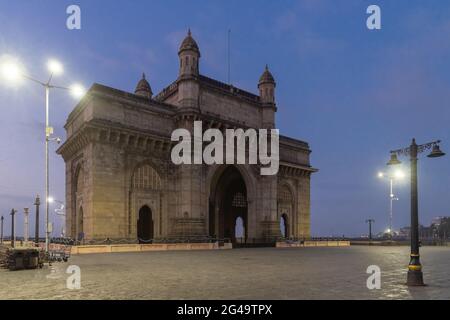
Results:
[145, 193]
[228, 202]
[145, 225]
[239, 230]
[284, 226]
[76, 221]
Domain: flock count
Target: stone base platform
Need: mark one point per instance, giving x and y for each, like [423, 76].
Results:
[147, 247]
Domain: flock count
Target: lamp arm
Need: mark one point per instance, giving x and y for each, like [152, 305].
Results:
[34, 80]
[420, 148]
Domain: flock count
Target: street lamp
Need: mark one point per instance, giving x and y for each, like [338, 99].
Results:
[12, 71]
[415, 275]
[396, 175]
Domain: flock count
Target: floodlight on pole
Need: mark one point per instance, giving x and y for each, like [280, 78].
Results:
[55, 67]
[11, 70]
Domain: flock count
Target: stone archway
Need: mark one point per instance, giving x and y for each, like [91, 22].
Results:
[286, 205]
[145, 225]
[145, 203]
[228, 202]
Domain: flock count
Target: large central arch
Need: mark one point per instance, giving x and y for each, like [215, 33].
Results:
[228, 205]
[145, 225]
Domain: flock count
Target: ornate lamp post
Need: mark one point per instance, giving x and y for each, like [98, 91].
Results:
[13, 228]
[37, 203]
[415, 275]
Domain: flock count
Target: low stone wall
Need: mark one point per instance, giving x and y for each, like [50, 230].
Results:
[147, 247]
[308, 243]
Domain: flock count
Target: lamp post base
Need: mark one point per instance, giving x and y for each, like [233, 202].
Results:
[415, 278]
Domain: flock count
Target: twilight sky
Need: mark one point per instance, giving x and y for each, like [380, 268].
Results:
[352, 93]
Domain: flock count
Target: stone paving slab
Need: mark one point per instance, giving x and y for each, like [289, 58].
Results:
[260, 273]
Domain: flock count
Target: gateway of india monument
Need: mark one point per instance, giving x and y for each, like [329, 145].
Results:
[122, 184]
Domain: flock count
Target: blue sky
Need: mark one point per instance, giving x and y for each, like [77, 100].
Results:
[352, 93]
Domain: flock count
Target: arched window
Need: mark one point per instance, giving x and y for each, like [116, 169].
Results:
[284, 195]
[145, 177]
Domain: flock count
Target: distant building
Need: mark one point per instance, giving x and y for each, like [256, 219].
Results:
[438, 220]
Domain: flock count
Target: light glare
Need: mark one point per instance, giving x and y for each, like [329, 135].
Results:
[77, 90]
[55, 67]
[50, 200]
[10, 70]
[399, 174]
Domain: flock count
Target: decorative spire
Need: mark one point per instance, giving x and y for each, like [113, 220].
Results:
[266, 77]
[143, 88]
[266, 86]
[189, 44]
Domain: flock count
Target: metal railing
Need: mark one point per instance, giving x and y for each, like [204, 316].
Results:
[109, 241]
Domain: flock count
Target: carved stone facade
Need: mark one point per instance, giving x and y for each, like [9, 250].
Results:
[122, 184]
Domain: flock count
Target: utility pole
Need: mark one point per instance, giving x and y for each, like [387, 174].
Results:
[229, 56]
[370, 221]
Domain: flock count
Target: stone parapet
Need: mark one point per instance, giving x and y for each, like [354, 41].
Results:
[148, 247]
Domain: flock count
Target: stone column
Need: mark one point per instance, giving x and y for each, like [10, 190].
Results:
[25, 225]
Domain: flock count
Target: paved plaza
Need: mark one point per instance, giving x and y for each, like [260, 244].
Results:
[263, 273]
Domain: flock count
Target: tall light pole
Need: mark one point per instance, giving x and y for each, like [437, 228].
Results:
[415, 275]
[391, 176]
[11, 70]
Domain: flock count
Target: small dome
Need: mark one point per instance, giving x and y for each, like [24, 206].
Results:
[189, 44]
[266, 77]
[143, 88]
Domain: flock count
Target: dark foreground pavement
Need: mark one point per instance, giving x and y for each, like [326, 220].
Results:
[265, 273]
